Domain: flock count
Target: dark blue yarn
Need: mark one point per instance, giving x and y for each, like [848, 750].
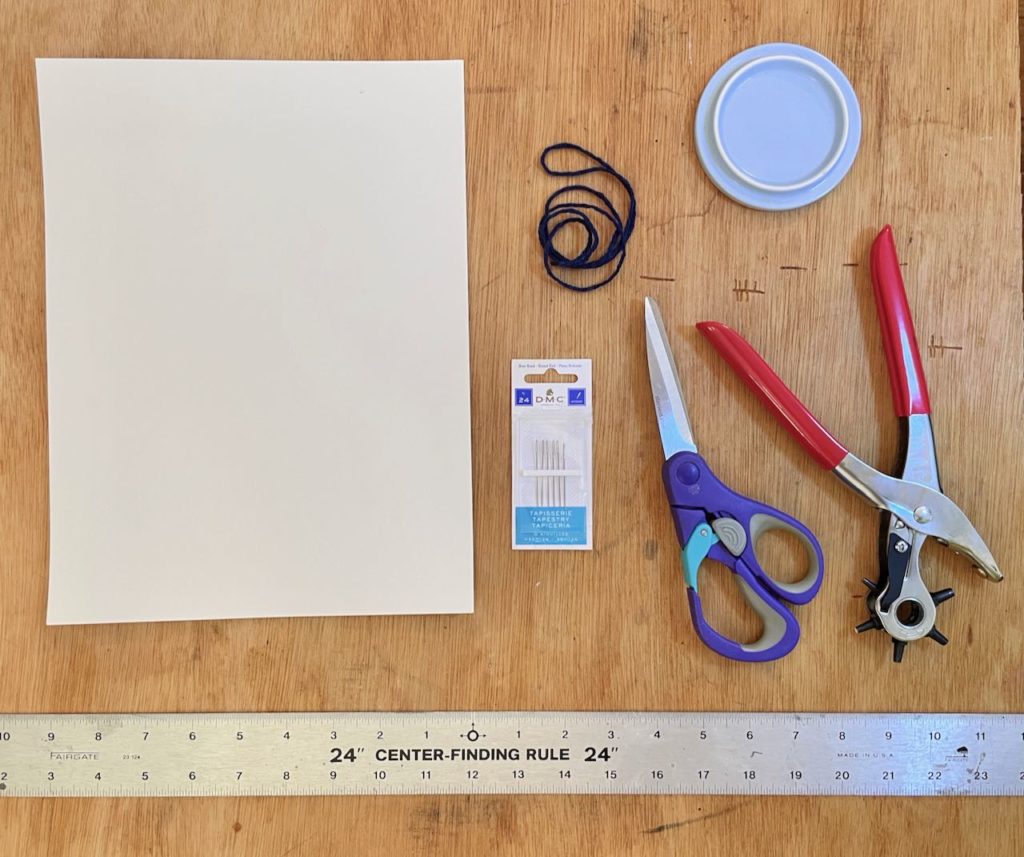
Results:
[559, 215]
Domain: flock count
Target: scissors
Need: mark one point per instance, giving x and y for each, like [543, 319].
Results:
[714, 522]
[913, 505]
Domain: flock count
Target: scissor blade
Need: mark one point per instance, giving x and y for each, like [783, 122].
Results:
[673, 423]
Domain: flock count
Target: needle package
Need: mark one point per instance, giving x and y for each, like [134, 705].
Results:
[552, 422]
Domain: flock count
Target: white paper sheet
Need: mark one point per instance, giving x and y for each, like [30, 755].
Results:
[257, 339]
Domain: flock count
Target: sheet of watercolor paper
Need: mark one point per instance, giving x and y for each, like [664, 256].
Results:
[257, 339]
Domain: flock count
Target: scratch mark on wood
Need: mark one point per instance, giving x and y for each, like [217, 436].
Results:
[684, 215]
[937, 348]
[743, 289]
[650, 549]
[658, 279]
[792, 268]
[697, 819]
[850, 264]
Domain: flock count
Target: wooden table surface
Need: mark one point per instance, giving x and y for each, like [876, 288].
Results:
[939, 159]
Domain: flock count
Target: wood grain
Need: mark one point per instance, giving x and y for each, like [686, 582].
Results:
[939, 89]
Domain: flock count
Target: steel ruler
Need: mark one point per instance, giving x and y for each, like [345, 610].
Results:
[510, 752]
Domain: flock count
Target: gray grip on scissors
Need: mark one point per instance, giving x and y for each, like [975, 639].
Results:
[731, 534]
[760, 524]
[774, 625]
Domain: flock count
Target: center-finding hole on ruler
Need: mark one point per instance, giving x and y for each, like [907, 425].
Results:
[552, 376]
[909, 613]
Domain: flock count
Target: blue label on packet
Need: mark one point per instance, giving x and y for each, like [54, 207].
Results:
[551, 525]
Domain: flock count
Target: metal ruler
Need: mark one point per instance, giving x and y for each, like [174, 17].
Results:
[510, 752]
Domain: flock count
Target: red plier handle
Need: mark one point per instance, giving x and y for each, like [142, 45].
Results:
[906, 377]
[771, 389]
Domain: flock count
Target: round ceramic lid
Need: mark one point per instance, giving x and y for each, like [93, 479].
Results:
[778, 127]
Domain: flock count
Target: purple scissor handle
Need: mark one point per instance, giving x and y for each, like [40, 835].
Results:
[714, 522]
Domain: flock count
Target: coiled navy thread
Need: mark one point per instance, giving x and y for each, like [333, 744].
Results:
[560, 215]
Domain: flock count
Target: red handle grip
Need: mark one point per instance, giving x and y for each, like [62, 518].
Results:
[906, 377]
[768, 386]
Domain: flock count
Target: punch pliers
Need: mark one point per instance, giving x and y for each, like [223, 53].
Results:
[912, 501]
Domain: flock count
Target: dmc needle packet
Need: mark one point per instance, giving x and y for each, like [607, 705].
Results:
[552, 462]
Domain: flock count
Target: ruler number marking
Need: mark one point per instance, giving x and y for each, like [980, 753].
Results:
[347, 755]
